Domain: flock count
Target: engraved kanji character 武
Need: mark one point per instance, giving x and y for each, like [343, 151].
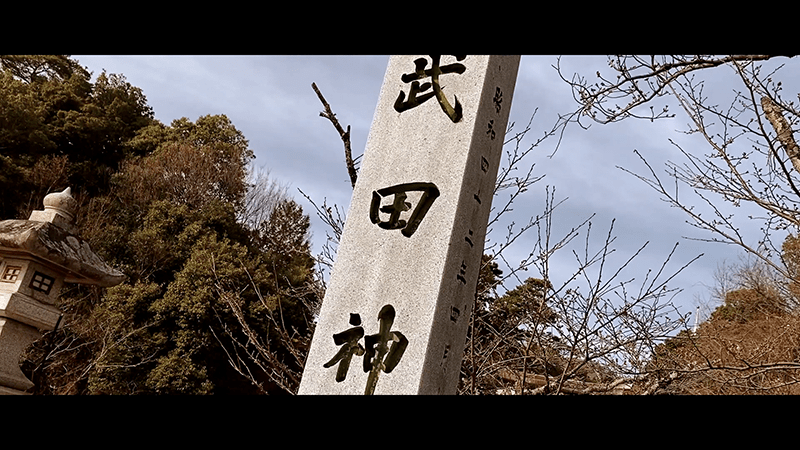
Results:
[414, 99]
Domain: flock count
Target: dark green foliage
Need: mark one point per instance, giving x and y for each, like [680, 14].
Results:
[524, 305]
[13, 185]
[164, 205]
[50, 108]
[39, 68]
[285, 243]
[508, 336]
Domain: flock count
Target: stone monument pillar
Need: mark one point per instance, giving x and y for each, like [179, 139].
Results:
[37, 256]
[395, 315]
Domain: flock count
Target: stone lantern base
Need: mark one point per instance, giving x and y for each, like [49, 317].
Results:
[9, 391]
[37, 256]
[14, 338]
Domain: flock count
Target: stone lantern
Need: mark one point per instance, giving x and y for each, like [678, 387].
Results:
[37, 256]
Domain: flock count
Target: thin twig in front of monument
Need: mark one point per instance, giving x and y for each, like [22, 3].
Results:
[352, 170]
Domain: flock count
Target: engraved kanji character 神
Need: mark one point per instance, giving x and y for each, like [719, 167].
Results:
[380, 356]
[348, 339]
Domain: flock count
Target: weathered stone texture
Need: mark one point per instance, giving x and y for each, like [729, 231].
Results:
[54, 244]
[427, 274]
[37, 256]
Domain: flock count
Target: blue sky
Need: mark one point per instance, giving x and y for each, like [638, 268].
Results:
[270, 99]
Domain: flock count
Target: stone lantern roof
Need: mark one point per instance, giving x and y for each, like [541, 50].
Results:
[37, 256]
[49, 236]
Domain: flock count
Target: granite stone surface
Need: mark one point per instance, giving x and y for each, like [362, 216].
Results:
[54, 244]
[14, 338]
[415, 230]
[37, 256]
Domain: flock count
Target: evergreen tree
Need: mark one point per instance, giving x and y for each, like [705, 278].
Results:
[49, 108]
[167, 207]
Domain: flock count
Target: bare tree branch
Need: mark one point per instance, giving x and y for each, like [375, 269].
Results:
[639, 81]
[352, 170]
[782, 128]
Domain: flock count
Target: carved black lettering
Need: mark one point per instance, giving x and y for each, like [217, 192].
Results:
[414, 99]
[399, 205]
[462, 272]
[498, 99]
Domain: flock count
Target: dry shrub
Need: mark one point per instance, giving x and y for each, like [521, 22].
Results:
[758, 356]
[184, 174]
